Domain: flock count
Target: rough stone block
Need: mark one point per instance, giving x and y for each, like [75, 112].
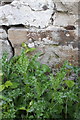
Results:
[28, 13]
[3, 34]
[49, 36]
[5, 47]
[64, 19]
[17, 36]
[54, 56]
[56, 44]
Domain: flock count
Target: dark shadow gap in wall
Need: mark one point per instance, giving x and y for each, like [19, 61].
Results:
[5, 2]
[13, 52]
[70, 27]
[6, 29]
[18, 25]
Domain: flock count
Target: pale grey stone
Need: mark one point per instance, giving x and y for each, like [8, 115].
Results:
[31, 45]
[3, 34]
[17, 35]
[64, 19]
[5, 47]
[71, 5]
[27, 12]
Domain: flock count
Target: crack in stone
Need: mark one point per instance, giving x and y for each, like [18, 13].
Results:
[44, 8]
[10, 44]
[54, 11]
[30, 8]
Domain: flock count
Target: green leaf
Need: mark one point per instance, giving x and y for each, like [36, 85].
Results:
[22, 108]
[8, 83]
[27, 88]
[27, 49]
[45, 68]
[1, 74]
[14, 85]
[37, 91]
[24, 45]
[2, 97]
[69, 83]
[2, 87]
[36, 65]
[29, 109]
[1, 77]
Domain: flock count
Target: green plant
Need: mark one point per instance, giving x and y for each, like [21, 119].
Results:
[29, 90]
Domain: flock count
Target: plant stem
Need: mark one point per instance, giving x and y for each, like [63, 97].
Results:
[66, 109]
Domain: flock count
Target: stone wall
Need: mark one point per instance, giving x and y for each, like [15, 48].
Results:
[50, 26]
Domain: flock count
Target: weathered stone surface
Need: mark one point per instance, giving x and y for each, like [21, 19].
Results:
[5, 47]
[26, 13]
[6, 0]
[56, 44]
[3, 34]
[60, 7]
[64, 19]
[54, 56]
[40, 13]
[38, 5]
[49, 36]
[71, 5]
[51, 26]
[17, 36]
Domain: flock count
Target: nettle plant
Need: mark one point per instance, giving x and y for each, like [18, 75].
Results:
[30, 91]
